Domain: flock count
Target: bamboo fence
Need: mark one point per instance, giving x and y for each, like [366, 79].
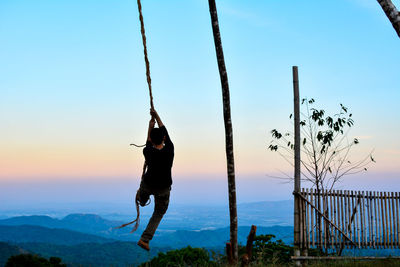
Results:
[348, 219]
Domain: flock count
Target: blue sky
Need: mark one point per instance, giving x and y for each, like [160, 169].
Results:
[74, 94]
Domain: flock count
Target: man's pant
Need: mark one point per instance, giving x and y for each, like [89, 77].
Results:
[161, 201]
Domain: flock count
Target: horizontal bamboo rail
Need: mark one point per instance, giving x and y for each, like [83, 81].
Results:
[339, 219]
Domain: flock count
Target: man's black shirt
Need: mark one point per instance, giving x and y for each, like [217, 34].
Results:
[159, 163]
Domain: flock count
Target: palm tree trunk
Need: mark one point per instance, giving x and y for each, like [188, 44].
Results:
[392, 13]
[228, 130]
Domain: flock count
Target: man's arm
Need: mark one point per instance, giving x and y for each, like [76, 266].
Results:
[154, 114]
[151, 126]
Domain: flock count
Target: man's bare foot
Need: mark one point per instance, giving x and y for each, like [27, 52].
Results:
[143, 244]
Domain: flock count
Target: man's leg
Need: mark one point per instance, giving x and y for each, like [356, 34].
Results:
[143, 194]
[160, 207]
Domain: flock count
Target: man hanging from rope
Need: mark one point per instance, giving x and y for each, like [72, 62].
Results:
[157, 180]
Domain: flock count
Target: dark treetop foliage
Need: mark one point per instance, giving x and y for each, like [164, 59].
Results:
[182, 257]
[30, 260]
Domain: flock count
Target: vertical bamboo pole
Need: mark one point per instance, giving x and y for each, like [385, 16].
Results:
[387, 220]
[394, 219]
[312, 218]
[306, 233]
[393, 235]
[307, 221]
[384, 219]
[379, 232]
[358, 219]
[368, 218]
[331, 218]
[362, 221]
[323, 219]
[320, 220]
[371, 221]
[296, 160]
[375, 221]
[341, 222]
[345, 211]
[394, 230]
[351, 218]
[347, 206]
[334, 215]
[337, 215]
[301, 223]
[317, 228]
[228, 130]
[397, 220]
[365, 215]
[379, 219]
[348, 226]
[303, 207]
[353, 202]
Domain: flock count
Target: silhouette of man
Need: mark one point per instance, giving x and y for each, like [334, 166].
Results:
[157, 181]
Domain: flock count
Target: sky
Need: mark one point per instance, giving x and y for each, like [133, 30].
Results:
[74, 93]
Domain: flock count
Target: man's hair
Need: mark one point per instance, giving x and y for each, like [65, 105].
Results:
[156, 136]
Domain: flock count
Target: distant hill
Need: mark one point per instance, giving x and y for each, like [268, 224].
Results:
[31, 233]
[79, 222]
[86, 223]
[167, 235]
[178, 216]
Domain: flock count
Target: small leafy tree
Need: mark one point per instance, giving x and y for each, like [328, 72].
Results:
[325, 147]
[266, 251]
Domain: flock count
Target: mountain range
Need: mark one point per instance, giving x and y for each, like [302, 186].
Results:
[89, 239]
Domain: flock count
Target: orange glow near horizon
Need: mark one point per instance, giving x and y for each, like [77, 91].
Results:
[33, 161]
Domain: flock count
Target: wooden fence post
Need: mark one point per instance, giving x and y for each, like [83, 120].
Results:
[297, 217]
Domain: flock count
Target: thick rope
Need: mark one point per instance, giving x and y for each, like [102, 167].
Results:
[145, 52]
[137, 203]
[137, 220]
[146, 60]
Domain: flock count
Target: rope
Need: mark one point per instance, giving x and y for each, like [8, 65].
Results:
[138, 145]
[137, 220]
[145, 52]
[146, 60]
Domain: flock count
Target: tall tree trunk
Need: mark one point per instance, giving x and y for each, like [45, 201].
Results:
[392, 13]
[228, 130]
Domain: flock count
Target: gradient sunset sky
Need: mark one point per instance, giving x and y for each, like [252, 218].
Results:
[74, 94]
